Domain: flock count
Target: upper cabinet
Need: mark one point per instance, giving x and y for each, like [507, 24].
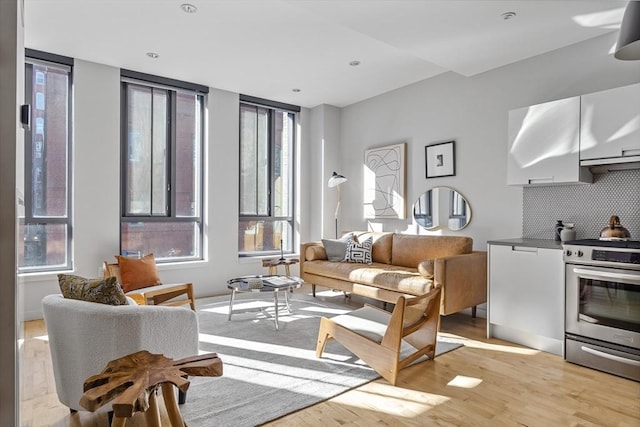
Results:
[610, 126]
[544, 143]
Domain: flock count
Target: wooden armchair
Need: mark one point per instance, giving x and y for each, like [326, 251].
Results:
[163, 294]
[376, 336]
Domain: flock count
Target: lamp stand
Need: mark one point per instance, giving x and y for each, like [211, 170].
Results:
[338, 208]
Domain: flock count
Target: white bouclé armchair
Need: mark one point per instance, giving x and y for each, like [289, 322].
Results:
[84, 336]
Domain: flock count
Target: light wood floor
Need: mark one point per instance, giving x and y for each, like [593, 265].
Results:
[485, 383]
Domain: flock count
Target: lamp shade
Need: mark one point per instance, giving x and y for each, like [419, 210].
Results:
[628, 46]
[336, 179]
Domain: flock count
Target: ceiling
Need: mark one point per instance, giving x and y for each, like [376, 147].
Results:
[268, 48]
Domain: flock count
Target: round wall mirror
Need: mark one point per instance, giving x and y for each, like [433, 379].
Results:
[442, 207]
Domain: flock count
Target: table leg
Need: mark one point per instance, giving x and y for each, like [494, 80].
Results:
[287, 269]
[171, 405]
[233, 295]
[152, 415]
[273, 269]
[275, 301]
[118, 421]
[286, 300]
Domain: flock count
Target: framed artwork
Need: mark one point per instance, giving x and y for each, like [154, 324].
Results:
[440, 159]
[385, 182]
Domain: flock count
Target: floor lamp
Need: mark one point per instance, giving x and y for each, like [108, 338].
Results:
[335, 181]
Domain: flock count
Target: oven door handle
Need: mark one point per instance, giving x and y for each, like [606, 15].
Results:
[610, 356]
[633, 279]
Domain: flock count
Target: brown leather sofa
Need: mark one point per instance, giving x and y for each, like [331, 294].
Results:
[404, 264]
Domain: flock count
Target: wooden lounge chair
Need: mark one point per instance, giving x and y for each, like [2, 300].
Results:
[376, 336]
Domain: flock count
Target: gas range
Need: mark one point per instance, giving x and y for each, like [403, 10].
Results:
[605, 253]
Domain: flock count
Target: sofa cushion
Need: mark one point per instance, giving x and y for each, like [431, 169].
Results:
[104, 290]
[336, 248]
[382, 244]
[385, 276]
[409, 250]
[359, 253]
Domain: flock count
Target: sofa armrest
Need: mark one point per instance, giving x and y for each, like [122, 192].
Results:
[303, 253]
[464, 280]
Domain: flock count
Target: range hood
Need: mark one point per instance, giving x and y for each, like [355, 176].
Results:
[612, 164]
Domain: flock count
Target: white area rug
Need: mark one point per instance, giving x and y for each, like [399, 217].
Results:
[269, 373]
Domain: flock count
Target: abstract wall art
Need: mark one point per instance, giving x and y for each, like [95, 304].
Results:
[385, 182]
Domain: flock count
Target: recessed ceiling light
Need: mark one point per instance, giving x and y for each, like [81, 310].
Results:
[153, 55]
[188, 8]
[354, 63]
[508, 15]
[295, 90]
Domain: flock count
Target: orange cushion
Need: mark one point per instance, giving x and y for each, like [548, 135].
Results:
[137, 273]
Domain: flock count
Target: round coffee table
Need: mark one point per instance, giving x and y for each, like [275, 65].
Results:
[271, 284]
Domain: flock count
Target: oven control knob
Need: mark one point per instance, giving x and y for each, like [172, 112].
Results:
[568, 253]
[580, 253]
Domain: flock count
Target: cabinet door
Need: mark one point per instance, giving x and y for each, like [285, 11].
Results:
[543, 143]
[526, 290]
[610, 123]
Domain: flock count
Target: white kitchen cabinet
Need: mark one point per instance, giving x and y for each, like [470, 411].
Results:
[610, 125]
[526, 296]
[544, 141]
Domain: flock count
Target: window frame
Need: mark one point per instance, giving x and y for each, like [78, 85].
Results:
[35, 57]
[173, 88]
[272, 107]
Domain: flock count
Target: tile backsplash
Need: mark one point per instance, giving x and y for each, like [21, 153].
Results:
[588, 206]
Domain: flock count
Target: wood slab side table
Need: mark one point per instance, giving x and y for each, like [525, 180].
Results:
[273, 264]
[133, 382]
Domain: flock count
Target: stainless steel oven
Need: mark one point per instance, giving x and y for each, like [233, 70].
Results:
[602, 323]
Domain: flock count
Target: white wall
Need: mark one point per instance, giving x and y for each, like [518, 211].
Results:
[324, 157]
[473, 112]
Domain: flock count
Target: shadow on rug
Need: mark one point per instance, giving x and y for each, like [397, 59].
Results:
[269, 373]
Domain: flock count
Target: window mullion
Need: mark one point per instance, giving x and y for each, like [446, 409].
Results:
[170, 205]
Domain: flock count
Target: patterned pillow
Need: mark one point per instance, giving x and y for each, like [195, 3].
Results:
[105, 291]
[359, 253]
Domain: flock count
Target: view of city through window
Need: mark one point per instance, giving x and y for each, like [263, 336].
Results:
[45, 222]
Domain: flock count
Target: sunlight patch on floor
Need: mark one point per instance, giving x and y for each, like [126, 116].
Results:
[464, 382]
[489, 346]
[282, 350]
[392, 400]
[273, 375]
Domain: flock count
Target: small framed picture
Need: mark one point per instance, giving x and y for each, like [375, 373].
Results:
[440, 159]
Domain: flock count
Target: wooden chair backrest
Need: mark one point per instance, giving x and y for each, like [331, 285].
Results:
[112, 269]
[406, 318]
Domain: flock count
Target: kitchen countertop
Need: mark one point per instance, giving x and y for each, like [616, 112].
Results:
[531, 243]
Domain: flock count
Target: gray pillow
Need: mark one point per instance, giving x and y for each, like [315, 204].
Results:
[336, 248]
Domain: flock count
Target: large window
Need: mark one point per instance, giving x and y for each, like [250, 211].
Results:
[267, 135]
[44, 232]
[161, 169]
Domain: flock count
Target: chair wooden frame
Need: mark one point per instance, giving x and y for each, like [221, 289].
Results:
[383, 355]
[156, 295]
